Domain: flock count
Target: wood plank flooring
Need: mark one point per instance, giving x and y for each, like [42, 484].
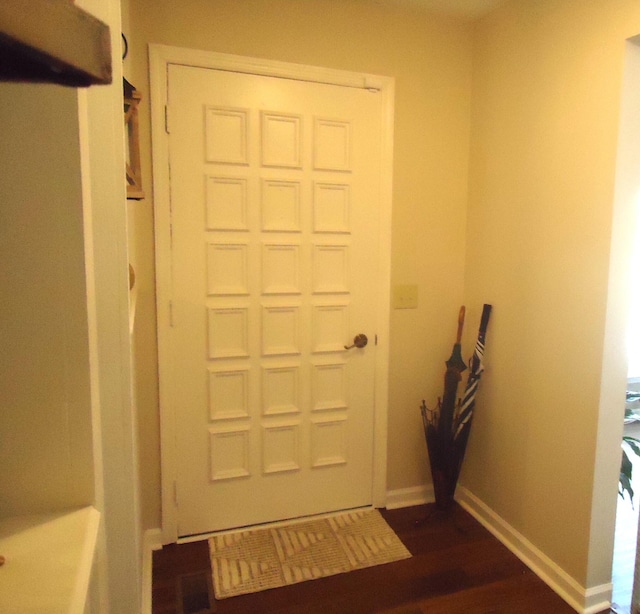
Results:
[457, 567]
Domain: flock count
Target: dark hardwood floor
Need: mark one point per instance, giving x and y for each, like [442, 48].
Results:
[457, 567]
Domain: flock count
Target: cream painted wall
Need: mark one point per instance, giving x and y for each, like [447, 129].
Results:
[431, 61]
[546, 107]
[45, 418]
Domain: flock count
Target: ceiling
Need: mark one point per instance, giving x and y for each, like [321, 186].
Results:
[470, 9]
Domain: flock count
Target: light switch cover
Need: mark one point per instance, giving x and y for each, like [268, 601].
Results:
[405, 296]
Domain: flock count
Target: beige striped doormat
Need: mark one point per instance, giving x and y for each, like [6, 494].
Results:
[256, 560]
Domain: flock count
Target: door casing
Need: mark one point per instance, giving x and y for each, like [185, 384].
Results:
[160, 56]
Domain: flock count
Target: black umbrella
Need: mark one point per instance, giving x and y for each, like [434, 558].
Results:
[438, 423]
[447, 427]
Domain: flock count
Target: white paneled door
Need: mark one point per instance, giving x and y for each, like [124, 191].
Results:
[275, 192]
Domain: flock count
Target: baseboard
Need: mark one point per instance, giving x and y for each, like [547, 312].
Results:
[406, 497]
[151, 540]
[585, 601]
[598, 598]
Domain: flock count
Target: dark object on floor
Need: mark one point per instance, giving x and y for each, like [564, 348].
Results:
[195, 594]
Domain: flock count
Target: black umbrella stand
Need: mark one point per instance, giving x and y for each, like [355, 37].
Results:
[447, 427]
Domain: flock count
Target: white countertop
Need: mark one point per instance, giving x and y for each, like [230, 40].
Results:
[48, 561]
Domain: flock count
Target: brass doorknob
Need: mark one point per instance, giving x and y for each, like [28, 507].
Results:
[359, 341]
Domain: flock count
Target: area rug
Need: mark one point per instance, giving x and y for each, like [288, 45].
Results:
[257, 560]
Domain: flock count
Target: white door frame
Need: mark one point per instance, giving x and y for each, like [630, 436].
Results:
[160, 57]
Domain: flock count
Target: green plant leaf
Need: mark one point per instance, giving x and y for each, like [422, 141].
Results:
[625, 486]
[633, 443]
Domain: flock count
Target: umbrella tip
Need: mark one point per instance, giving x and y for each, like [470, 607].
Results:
[460, 324]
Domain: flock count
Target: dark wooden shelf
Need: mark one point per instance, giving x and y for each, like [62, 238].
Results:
[53, 41]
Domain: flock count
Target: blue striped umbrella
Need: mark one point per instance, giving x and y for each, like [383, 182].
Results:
[465, 413]
[464, 417]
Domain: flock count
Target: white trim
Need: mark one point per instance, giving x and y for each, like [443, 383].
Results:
[160, 57]
[387, 90]
[117, 579]
[597, 599]
[584, 600]
[406, 497]
[100, 584]
[161, 203]
[164, 55]
[151, 540]
[87, 560]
